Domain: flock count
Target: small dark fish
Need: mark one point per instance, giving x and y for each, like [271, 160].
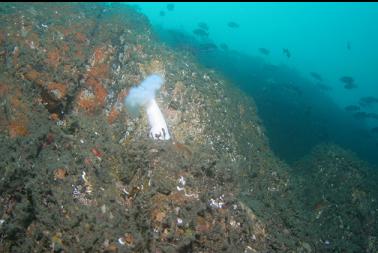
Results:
[360, 115]
[233, 24]
[324, 87]
[349, 46]
[348, 81]
[316, 76]
[286, 51]
[363, 133]
[223, 46]
[162, 13]
[264, 51]
[206, 47]
[294, 88]
[350, 86]
[368, 101]
[270, 67]
[374, 130]
[308, 110]
[203, 26]
[135, 7]
[188, 48]
[372, 115]
[201, 33]
[352, 108]
[170, 7]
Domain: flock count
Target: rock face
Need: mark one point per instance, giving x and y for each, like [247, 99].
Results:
[78, 173]
[341, 199]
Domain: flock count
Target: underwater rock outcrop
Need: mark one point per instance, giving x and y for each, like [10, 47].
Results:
[79, 174]
[339, 201]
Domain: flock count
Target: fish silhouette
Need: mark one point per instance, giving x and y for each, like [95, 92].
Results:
[348, 82]
[233, 24]
[286, 52]
[368, 101]
[264, 51]
[203, 26]
[223, 46]
[352, 108]
[316, 76]
[170, 7]
[201, 33]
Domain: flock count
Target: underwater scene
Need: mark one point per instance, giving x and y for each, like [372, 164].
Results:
[189, 127]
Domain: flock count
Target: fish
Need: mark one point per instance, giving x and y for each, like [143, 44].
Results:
[286, 51]
[135, 7]
[170, 7]
[352, 108]
[293, 88]
[223, 46]
[162, 13]
[203, 26]
[316, 76]
[207, 47]
[264, 51]
[233, 24]
[307, 109]
[348, 81]
[270, 67]
[189, 49]
[368, 101]
[348, 46]
[324, 87]
[360, 115]
[350, 86]
[372, 115]
[374, 130]
[201, 33]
